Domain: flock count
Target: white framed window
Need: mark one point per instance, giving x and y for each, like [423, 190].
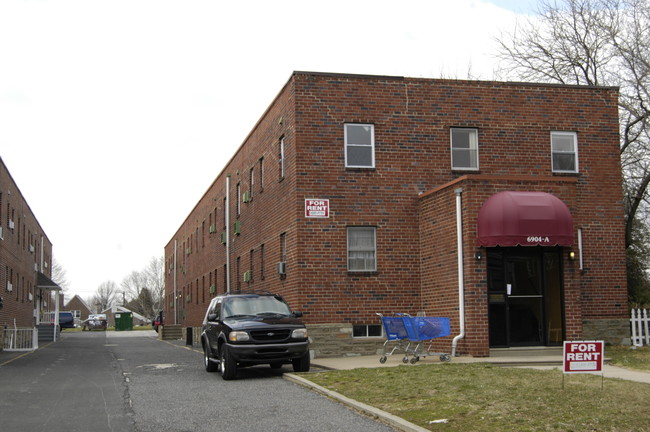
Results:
[359, 145]
[464, 149]
[564, 150]
[362, 249]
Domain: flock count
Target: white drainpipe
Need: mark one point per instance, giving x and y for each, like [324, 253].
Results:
[228, 234]
[461, 280]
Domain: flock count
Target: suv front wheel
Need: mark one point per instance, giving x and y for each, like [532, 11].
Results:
[227, 365]
[301, 364]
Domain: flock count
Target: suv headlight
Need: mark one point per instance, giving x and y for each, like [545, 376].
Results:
[238, 336]
[300, 333]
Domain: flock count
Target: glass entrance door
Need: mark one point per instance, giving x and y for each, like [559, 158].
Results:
[523, 296]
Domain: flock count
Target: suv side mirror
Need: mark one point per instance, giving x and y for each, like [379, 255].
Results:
[212, 317]
[296, 314]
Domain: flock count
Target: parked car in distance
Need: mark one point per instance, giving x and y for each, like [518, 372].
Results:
[242, 330]
[94, 322]
[66, 320]
[158, 321]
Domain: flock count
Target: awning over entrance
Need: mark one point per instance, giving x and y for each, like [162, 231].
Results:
[45, 282]
[524, 219]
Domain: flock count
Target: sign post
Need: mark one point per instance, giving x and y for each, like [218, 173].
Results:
[583, 357]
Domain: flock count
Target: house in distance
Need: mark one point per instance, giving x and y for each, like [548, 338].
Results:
[496, 204]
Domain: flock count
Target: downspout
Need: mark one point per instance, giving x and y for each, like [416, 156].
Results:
[175, 278]
[461, 280]
[56, 311]
[228, 234]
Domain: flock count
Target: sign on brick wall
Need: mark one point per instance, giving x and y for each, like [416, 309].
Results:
[317, 208]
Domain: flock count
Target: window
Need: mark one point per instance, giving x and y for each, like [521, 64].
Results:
[359, 146]
[261, 170]
[238, 199]
[564, 146]
[283, 247]
[464, 149]
[366, 330]
[262, 261]
[252, 182]
[361, 249]
[281, 158]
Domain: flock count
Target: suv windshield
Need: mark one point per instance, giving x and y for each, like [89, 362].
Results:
[254, 306]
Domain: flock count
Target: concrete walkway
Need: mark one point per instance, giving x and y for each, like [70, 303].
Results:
[538, 362]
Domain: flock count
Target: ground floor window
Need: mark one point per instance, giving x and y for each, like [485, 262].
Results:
[366, 330]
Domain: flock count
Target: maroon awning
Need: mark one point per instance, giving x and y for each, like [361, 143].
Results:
[524, 219]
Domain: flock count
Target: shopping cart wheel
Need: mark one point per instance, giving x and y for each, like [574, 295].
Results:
[414, 360]
[445, 357]
[382, 359]
[405, 359]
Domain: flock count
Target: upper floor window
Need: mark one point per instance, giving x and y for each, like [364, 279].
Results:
[281, 157]
[359, 146]
[564, 148]
[464, 149]
[362, 249]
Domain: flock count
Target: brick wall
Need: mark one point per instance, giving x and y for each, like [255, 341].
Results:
[20, 251]
[416, 240]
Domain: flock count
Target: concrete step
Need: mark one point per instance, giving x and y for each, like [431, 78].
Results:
[526, 356]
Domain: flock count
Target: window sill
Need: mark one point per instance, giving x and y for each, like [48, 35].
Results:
[363, 273]
[566, 174]
[360, 168]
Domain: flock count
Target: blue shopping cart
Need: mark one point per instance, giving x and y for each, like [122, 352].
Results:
[404, 331]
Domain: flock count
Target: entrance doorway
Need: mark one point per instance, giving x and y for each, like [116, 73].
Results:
[525, 296]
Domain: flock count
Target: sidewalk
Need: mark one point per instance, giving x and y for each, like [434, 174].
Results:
[537, 362]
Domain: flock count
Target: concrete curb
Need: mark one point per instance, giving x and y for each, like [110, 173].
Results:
[390, 419]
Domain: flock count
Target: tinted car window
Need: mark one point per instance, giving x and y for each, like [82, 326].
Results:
[252, 306]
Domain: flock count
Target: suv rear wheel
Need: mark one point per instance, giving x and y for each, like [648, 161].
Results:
[227, 365]
[209, 366]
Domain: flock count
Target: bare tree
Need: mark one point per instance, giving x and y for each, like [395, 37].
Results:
[59, 275]
[155, 282]
[145, 288]
[105, 296]
[595, 42]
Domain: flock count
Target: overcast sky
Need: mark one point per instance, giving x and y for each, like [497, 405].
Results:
[117, 115]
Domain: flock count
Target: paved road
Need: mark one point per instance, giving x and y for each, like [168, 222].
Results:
[128, 381]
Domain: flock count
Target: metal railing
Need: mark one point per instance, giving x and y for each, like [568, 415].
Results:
[20, 339]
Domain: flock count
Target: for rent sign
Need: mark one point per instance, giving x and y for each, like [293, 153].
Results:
[583, 356]
[317, 208]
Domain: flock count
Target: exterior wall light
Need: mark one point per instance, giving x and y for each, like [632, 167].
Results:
[478, 255]
[572, 256]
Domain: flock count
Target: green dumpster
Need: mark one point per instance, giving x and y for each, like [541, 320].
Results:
[123, 321]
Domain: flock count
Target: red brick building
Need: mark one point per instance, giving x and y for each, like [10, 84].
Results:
[26, 287]
[348, 194]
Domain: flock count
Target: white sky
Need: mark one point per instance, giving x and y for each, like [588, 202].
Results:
[117, 115]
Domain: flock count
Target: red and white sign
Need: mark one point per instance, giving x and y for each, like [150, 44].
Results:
[583, 356]
[317, 208]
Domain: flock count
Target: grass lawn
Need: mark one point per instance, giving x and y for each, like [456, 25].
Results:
[482, 397]
[627, 357]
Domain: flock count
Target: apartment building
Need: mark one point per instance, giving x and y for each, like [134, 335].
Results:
[496, 204]
[27, 291]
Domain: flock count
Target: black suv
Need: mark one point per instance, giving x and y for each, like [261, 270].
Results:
[245, 329]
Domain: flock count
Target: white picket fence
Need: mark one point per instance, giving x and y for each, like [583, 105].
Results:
[640, 323]
[20, 339]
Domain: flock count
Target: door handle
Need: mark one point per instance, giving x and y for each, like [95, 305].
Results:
[509, 289]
